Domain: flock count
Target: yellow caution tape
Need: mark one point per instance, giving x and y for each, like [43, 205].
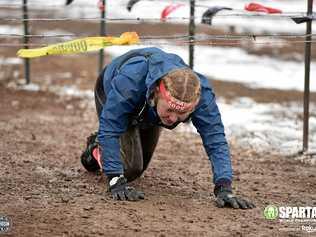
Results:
[80, 45]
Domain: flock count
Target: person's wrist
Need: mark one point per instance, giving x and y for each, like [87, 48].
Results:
[223, 185]
[111, 176]
[112, 180]
[117, 183]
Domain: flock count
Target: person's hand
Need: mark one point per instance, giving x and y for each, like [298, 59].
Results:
[225, 197]
[120, 191]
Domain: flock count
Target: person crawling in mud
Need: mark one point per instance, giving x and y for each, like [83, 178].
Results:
[137, 95]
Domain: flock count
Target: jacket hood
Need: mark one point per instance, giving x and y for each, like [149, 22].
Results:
[160, 63]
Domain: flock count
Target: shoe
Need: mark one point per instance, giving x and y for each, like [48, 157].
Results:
[91, 157]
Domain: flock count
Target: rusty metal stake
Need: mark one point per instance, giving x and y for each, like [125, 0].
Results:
[307, 76]
[25, 41]
[191, 33]
[102, 33]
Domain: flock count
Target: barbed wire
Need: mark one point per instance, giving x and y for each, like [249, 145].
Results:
[41, 36]
[186, 39]
[237, 12]
[152, 19]
[231, 36]
[176, 43]
[34, 6]
[198, 36]
[38, 4]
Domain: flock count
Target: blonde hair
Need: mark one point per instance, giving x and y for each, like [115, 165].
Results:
[183, 84]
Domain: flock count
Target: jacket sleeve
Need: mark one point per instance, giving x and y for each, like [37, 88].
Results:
[127, 91]
[207, 120]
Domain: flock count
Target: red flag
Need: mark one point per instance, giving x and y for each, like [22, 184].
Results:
[168, 9]
[255, 7]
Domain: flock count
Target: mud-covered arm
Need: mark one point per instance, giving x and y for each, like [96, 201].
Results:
[207, 120]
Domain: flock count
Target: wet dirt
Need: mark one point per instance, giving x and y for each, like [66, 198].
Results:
[46, 192]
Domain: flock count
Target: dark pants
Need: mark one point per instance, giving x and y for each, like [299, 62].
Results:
[137, 144]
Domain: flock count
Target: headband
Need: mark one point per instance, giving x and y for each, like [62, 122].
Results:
[173, 102]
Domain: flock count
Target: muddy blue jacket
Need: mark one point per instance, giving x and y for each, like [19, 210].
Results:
[128, 82]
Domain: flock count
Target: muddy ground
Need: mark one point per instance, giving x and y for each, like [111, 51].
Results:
[46, 192]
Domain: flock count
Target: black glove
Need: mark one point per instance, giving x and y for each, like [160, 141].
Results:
[120, 191]
[225, 197]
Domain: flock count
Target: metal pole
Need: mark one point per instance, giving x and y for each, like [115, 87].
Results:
[191, 33]
[25, 41]
[102, 33]
[307, 76]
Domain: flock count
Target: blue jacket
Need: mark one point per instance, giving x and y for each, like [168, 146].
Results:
[128, 81]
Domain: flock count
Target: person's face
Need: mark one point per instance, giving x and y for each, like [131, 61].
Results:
[168, 115]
